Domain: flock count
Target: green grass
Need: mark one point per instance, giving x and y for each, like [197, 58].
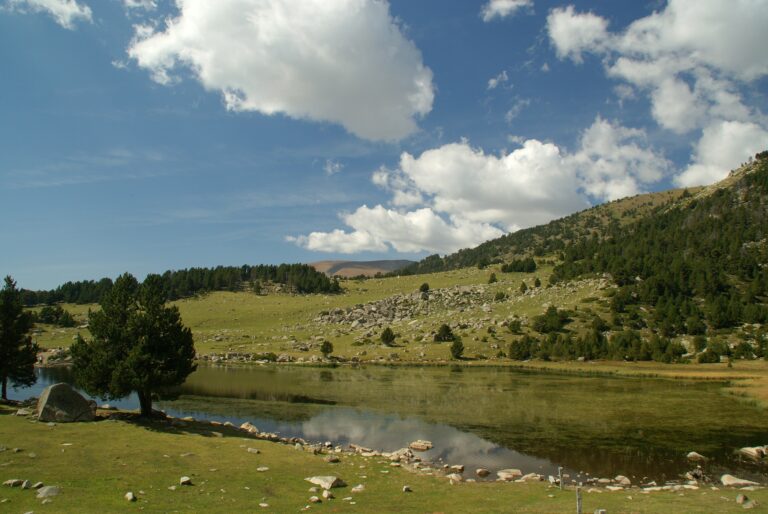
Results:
[95, 464]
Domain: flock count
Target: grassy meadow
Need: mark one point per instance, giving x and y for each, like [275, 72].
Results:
[96, 464]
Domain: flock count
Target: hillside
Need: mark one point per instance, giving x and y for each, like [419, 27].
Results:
[556, 235]
[359, 268]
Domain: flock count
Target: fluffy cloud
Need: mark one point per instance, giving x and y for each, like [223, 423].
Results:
[615, 161]
[344, 62]
[722, 146]
[457, 196]
[691, 59]
[503, 8]
[65, 12]
[574, 33]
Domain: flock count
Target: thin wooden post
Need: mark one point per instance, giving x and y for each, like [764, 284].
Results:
[578, 499]
[560, 476]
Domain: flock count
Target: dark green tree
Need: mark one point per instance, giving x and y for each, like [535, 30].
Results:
[17, 351]
[424, 288]
[444, 334]
[388, 337]
[326, 348]
[492, 279]
[457, 348]
[139, 344]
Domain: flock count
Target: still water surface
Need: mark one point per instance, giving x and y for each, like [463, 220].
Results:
[492, 418]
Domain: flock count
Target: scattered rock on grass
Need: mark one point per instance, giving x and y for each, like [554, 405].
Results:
[314, 499]
[326, 482]
[407, 489]
[696, 457]
[60, 402]
[359, 488]
[482, 472]
[732, 481]
[509, 474]
[14, 482]
[129, 496]
[48, 491]
[185, 481]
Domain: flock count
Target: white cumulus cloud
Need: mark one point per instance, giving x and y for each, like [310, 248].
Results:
[65, 12]
[693, 60]
[344, 62]
[723, 145]
[503, 8]
[457, 196]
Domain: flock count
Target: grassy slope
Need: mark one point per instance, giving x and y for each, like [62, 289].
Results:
[244, 322]
[109, 458]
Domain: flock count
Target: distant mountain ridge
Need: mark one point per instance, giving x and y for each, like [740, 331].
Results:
[357, 268]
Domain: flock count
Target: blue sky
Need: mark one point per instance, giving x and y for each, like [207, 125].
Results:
[141, 135]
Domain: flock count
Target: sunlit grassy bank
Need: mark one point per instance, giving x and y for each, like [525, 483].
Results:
[95, 464]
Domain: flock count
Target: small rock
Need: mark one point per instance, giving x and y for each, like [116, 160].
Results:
[457, 469]
[48, 491]
[326, 482]
[262, 469]
[359, 488]
[332, 459]
[732, 481]
[264, 505]
[314, 499]
[509, 474]
[185, 481]
[129, 496]
[313, 489]
[482, 472]
[328, 495]
[741, 498]
[407, 489]
[455, 478]
[752, 452]
[26, 484]
[696, 457]
[420, 445]
[14, 482]
[172, 488]
[37, 485]
[622, 480]
[23, 412]
[254, 450]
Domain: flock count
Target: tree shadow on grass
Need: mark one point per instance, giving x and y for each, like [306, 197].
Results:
[176, 426]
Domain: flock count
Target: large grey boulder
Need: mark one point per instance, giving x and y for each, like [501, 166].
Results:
[61, 403]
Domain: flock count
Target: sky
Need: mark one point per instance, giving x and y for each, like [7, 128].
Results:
[146, 135]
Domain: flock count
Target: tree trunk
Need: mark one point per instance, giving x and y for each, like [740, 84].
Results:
[145, 402]
[5, 388]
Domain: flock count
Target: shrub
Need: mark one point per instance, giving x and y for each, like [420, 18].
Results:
[444, 334]
[388, 337]
[708, 357]
[492, 279]
[457, 348]
[326, 348]
[500, 296]
[424, 288]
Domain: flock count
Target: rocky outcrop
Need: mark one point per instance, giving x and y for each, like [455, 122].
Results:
[60, 403]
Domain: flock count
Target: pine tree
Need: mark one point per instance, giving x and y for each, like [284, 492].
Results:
[139, 344]
[17, 351]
